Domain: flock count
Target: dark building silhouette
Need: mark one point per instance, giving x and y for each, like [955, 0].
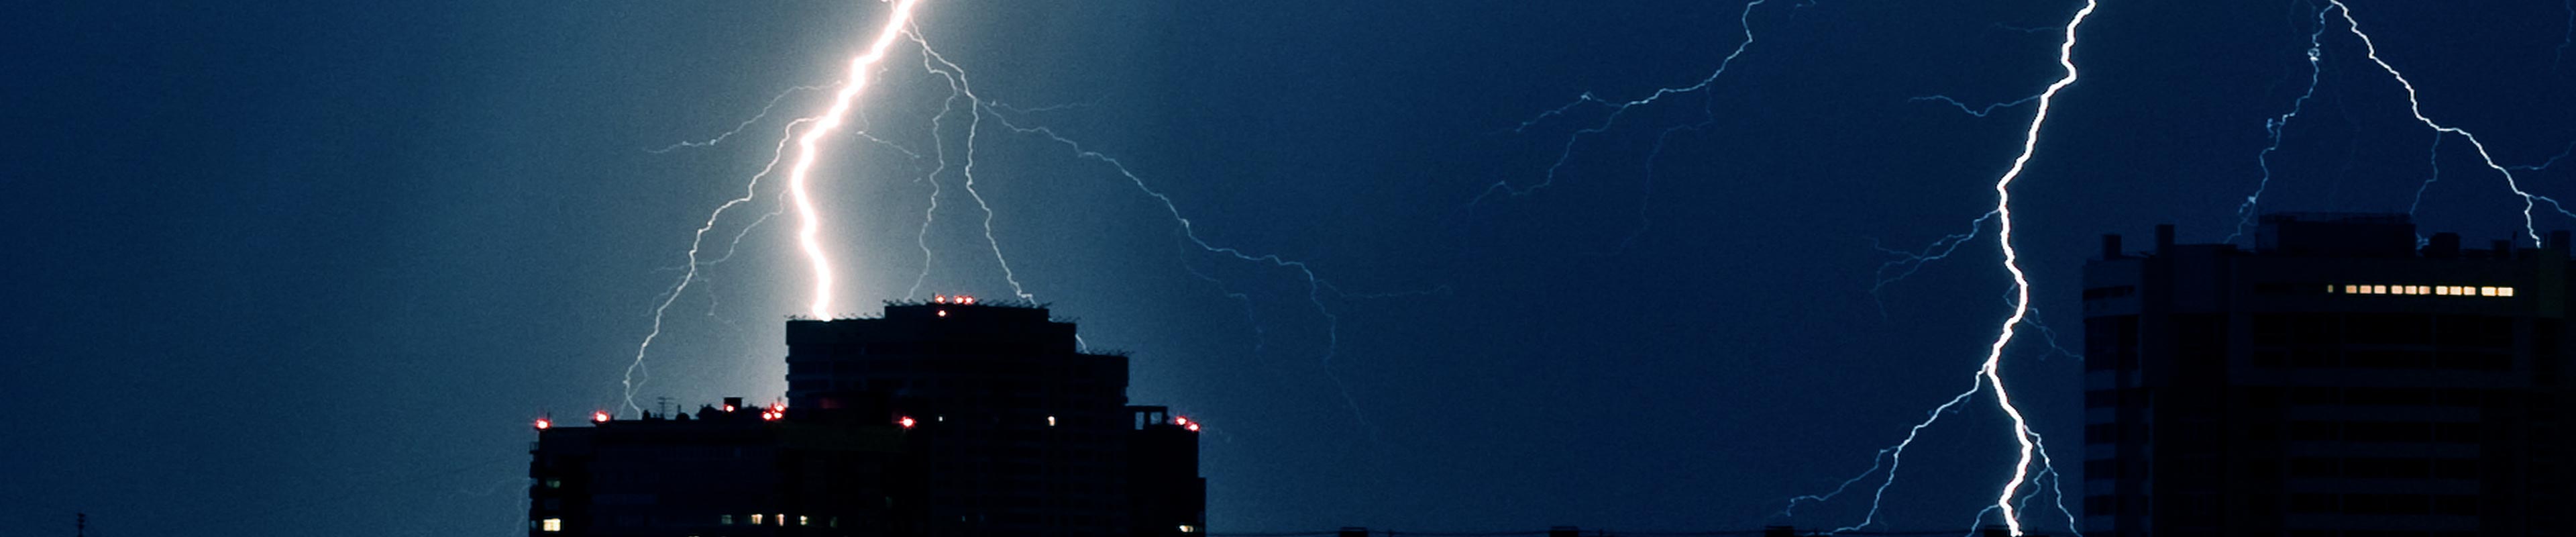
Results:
[2336, 380]
[949, 417]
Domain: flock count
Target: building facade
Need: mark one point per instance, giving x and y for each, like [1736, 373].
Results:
[2338, 380]
[940, 418]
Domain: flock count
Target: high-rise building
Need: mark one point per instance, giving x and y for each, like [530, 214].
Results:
[2340, 379]
[947, 417]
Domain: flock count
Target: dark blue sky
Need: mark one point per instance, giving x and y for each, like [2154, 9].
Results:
[309, 268]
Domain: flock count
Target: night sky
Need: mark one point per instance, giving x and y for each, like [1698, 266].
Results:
[310, 268]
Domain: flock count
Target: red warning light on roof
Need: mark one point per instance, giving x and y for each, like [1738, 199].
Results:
[907, 422]
[943, 313]
[1177, 420]
[543, 423]
[1192, 427]
[599, 416]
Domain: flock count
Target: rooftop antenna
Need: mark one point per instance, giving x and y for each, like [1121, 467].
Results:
[82, 524]
[662, 405]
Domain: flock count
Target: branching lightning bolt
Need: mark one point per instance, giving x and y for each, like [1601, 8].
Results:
[2021, 282]
[689, 272]
[2415, 107]
[975, 106]
[808, 234]
[821, 125]
[1989, 374]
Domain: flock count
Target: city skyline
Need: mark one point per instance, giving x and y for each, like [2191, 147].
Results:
[311, 268]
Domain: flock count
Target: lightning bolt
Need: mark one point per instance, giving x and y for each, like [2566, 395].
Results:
[939, 147]
[1617, 109]
[1989, 373]
[975, 106]
[2415, 107]
[2274, 126]
[2021, 282]
[690, 271]
[809, 231]
[849, 90]
[737, 129]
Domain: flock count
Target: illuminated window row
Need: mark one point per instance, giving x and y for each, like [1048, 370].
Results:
[2436, 290]
[760, 519]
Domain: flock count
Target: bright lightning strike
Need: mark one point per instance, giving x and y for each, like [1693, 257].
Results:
[1989, 374]
[689, 273]
[808, 234]
[805, 161]
[2021, 282]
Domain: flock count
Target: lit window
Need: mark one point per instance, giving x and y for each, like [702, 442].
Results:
[2504, 291]
[802, 520]
[1050, 421]
[1185, 528]
[726, 520]
[2350, 289]
[554, 483]
[782, 520]
[2379, 289]
[2441, 290]
[550, 525]
[2486, 291]
[755, 519]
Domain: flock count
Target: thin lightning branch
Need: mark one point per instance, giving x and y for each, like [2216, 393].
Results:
[808, 235]
[2416, 107]
[1909, 262]
[690, 271]
[2274, 126]
[1617, 109]
[1645, 199]
[2434, 156]
[1989, 109]
[1315, 285]
[1260, 333]
[958, 83]
[737, 129]
[2568, 37]
[2553, 159]
[1063, 107]
[1894, 457]
[939, 146]
[2056, 485]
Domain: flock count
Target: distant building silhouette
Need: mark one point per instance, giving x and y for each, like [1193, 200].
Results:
[2337, 380]
[949, 417]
